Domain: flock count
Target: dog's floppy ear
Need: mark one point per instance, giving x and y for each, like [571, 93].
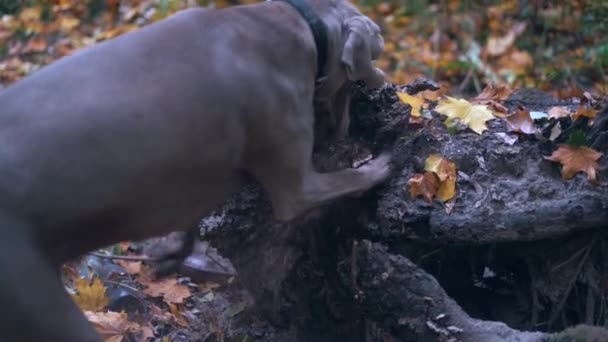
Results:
[362, 45]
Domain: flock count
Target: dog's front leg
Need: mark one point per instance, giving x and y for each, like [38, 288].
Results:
[170, 252]
[286, 171]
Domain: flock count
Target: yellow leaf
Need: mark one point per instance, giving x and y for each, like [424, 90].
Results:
[474, 116]
[447, 189]
[415, 102]
[446, 173]
[90, 296]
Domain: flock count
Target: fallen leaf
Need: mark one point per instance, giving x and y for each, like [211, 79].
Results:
[180, 319]
[586, 112]
[447, 189]
[575, 160]
[90, 295]
[442, 167]
[445, 171]
[491, 93]
[474, 116]
[415, 102]
[169, 289]
[132, 267]
[521, 122]
[558, 112]
[423, 184]
[112, 326]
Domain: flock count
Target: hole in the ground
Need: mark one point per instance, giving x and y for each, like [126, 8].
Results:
[541, 285]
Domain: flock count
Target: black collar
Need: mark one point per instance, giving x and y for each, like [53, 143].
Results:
[319, 31]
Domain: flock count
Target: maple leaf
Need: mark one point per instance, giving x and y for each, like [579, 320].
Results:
[474, 116]
[521, 122]
[442, 167]
[558, 112]
[415, 102]
[168, 288]
[90, 296]
[575, 159]
[112, 326]
[423, 184]
[446, 173]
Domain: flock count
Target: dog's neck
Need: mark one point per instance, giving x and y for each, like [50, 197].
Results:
[319, 31]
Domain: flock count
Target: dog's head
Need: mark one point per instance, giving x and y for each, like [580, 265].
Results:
[354, 43]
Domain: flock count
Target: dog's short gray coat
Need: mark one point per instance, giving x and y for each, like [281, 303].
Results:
[146, 133]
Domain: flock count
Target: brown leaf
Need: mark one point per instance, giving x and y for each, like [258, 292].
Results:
[424, 185]
[521, 122]
[169, 289]
[575, 160]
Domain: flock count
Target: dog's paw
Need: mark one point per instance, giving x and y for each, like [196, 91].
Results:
[379, 168]
[168, 254]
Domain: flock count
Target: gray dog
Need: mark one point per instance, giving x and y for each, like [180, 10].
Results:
[148, 132]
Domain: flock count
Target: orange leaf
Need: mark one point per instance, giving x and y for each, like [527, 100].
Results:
[424, 185]
[575, 160]
[587, 112]
[521, 122]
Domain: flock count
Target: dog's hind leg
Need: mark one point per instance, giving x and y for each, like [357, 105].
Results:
[35, 305]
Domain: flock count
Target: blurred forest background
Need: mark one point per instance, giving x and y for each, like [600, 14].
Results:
[558, 46]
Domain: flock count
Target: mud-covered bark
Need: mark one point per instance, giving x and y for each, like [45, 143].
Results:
[320, 279]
